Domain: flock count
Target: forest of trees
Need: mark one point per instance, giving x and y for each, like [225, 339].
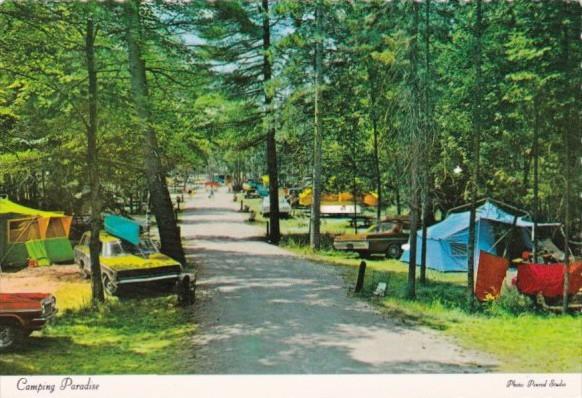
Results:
[430, 104]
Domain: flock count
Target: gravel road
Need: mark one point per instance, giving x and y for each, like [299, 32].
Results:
[263, 310]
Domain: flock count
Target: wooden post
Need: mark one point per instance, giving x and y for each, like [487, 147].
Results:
[185, 296]
[241, 205]
[268, 230]
[361, 274]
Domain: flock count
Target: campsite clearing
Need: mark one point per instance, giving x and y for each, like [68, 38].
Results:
[130, 336]
[528, 342]
[497, 230]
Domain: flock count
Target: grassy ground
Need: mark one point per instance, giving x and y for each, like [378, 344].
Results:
[522, 338]
[129, 336]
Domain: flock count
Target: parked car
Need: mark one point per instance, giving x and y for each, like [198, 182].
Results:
[387, 239]
[124, 264]
[23, 313]
[284, 207]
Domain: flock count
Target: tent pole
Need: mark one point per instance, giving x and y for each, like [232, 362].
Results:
[500, 239]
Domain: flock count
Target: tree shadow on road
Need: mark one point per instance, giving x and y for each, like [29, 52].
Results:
[281, 314]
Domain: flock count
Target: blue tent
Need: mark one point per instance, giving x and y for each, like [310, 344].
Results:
[446, 244]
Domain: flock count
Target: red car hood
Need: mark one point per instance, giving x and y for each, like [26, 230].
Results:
[10, 301]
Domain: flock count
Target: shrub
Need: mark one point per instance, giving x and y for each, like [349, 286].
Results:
[511, 301]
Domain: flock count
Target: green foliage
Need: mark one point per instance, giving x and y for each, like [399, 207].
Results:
[43, 103]
[511, 302]
[205, 67]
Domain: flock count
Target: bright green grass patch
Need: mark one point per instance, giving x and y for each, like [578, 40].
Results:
[135, 336]
[520, 337]
[527, 343]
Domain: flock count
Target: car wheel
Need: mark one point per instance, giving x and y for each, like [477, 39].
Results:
[108, 285]
[394, 251]
[9, 335]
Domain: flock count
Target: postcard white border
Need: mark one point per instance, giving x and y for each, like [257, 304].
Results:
[304, 386]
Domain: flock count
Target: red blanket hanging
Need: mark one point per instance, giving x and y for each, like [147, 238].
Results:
[548, 279]
[490, 275]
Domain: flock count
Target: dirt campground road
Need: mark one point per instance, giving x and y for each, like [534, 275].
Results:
[42, 279]
[263, 310]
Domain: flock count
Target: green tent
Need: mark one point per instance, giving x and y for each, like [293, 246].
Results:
[27, 233]
[37, 251]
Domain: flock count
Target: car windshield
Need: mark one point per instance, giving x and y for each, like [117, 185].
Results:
[143, 249]
[148, 246]
[113, 249]
[384, 227]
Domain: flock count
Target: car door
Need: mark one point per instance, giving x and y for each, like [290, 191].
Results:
[380, 240]
[81, 251]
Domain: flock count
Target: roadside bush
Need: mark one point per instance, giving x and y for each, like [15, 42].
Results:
[511, 302]
[301, 240]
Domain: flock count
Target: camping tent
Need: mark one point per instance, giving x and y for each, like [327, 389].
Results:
[446, 244]
[369, 199]
[27, 233]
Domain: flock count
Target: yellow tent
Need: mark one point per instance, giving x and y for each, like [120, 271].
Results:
[305, 197]
[345, 197]
[7, 206]
[49, 224]
[31, 233]
[371, 199]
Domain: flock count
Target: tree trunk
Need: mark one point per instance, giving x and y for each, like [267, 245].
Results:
[315, 221]
[424, 216]
[274, 228]
[411, 288]
[535, 178]
[526, 167]
[377, 174]
[160, 197]
[427, 159]
[354, 178]
[415, 153]
[93, 166]
[398, 201]
[475, 152]
[570, 124]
